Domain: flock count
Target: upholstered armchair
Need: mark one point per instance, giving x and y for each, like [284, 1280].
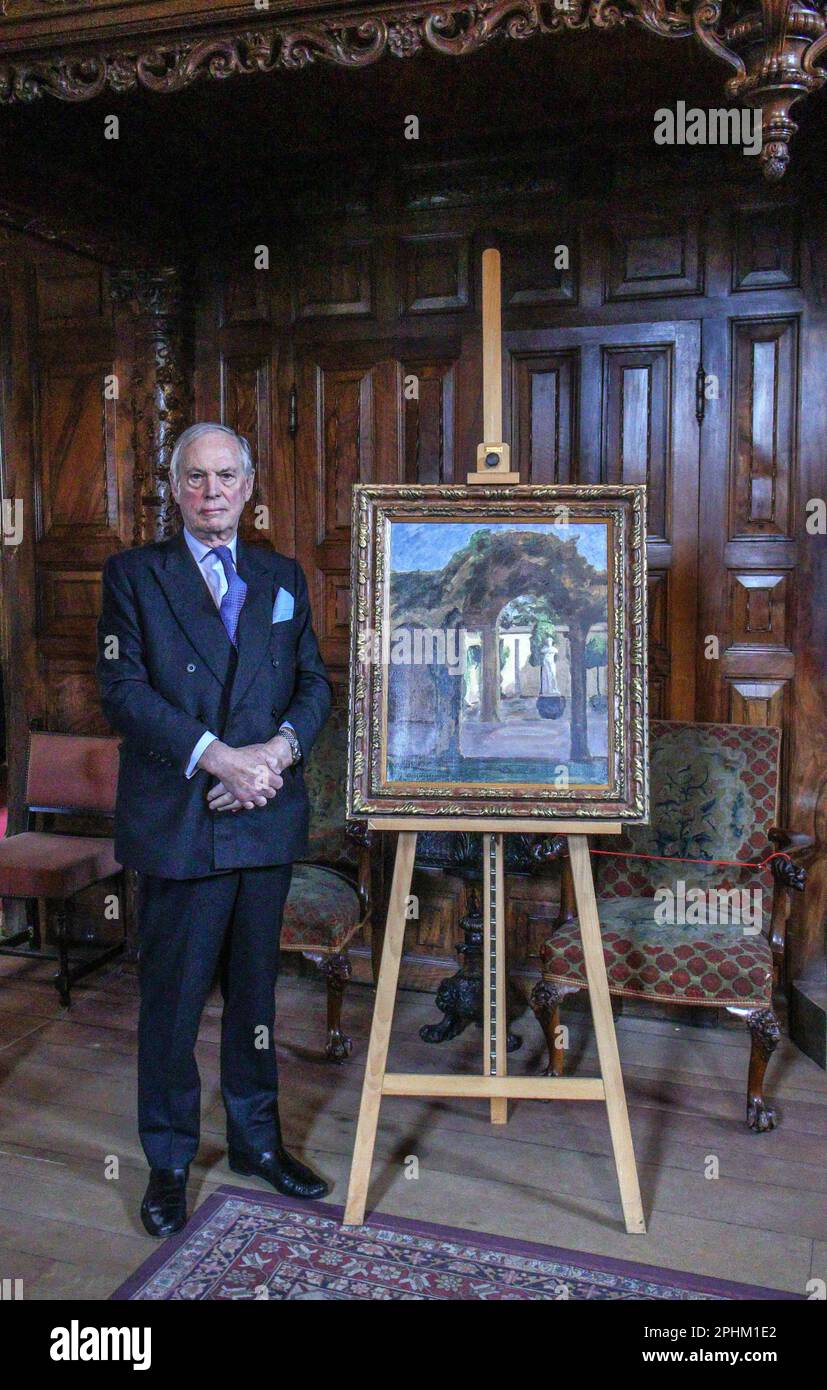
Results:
[714, 792]
[68, 776]
[329, 899]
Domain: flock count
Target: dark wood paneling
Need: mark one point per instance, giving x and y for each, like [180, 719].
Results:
[765, 247]
[544, 395]
[428, 418]
[637, 443]
[247, 407]
[78, 431]
[765, 368]
[600, 368]
[434, 271]
[539, 267]
[335, 281]
[654, 256]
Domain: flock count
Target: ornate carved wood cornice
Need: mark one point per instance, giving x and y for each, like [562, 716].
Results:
[776, 48]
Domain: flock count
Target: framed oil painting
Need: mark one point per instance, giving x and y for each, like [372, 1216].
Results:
[498, 652]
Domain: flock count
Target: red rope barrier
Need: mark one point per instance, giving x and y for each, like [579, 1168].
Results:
[678, 859]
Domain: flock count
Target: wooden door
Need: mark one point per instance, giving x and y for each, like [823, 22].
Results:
[616, 404]
[367, 412]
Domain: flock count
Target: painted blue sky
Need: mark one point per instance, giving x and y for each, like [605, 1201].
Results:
[428, 545]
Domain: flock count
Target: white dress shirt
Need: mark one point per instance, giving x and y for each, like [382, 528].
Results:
[210, 565]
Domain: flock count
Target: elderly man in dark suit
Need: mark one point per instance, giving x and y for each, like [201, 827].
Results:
[209, 668]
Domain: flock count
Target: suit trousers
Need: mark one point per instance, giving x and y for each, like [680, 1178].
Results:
[189, 929]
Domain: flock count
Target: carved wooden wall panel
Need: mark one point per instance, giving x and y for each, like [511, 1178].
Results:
[247, 407]
[544, 397]
[765, 247]
[637, 433]
[78, 430]
[70, 602]
[757, 702]
[759, 609]
[429, 418]
[539, 267]
[64, 294]
[335, 281]
[653, 257]
[246, 297]
[765, 386]
[349, 431]
[434, 273]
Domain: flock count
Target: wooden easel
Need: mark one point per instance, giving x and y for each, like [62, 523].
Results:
[494, 1083]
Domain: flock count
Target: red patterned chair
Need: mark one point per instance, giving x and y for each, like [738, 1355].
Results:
[329, 899]
[668, 929]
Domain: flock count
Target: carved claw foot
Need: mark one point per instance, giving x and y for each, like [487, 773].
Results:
[760, 1116]
[454, 999]
[765, 1034]
[442, 1032]
[339, 1046]
[545, 1002]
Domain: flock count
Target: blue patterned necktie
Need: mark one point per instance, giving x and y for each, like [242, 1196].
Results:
[233, 601]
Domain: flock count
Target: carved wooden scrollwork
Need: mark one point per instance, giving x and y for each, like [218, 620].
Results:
[776, 48]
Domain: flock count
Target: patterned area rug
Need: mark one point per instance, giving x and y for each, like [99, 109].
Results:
[242, 1244]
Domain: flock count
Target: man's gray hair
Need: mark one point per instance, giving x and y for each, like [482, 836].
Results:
[194, 432]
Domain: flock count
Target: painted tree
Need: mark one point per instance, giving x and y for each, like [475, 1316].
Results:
[596, 655]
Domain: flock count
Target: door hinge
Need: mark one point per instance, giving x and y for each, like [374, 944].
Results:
[293, 413]
[700, 393]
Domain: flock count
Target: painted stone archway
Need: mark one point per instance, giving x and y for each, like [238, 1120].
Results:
[472, 590]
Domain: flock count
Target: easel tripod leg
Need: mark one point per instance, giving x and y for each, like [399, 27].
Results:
[605, 1034]
[380, 1032]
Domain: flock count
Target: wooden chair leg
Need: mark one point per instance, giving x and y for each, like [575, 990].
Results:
[33, 923]
[63, 982]
[337, 971]
[765, 1035]
[545, 1001]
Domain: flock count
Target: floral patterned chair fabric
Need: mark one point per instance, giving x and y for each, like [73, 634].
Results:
[699, 933]
[329, 892]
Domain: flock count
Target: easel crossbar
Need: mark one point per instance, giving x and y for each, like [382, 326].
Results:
[507, 1087]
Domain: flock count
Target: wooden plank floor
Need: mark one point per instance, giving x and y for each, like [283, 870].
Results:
[70, 1228]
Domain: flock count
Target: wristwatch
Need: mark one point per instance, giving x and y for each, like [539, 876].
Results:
[295, 746]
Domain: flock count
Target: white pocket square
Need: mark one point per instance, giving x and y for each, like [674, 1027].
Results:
[283, 607]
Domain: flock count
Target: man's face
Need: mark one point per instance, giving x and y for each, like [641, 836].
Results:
[212, 488]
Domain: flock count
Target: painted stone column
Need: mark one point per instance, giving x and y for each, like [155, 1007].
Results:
[490, 674]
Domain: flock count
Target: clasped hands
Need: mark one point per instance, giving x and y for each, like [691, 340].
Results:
[248, 776]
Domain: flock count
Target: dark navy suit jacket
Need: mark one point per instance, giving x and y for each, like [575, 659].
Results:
[173, 675]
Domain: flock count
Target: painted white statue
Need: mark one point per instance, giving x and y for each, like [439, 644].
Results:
[548, 670]
[473, 694]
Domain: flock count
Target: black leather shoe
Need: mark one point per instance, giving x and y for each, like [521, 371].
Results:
[164, 1208]
[282, 1171]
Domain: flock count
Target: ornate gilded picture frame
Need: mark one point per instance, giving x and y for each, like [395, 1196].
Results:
[498, 652]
